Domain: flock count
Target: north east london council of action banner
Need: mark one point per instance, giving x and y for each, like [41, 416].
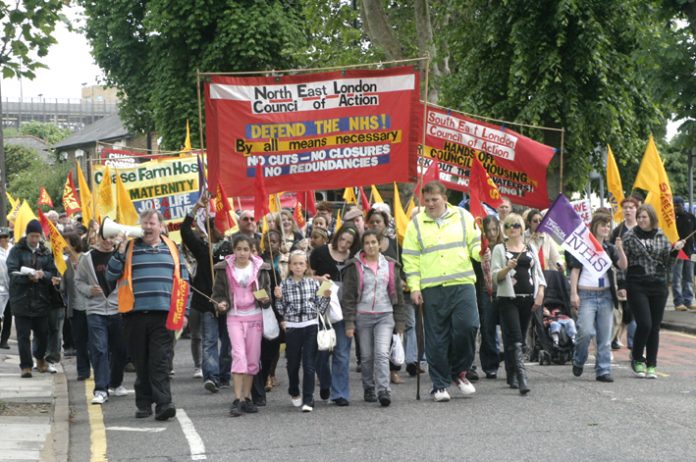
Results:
[312, 131]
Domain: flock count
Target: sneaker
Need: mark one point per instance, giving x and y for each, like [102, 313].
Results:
[384, 398]
[26, 373]
[651, 373]
[394, 377]
[198, 373]
[691, 308]
[307, 408]
[166, 412]
[143, 413]
[248, 406]
[296, 401]
[680, 307]
[465, 387]
[440, 395]
[341, 402]
[235, 410]
[119, 391]
[606, 378]
[100, 397]
[369, 395]
[638, 368]
[50, 367]
[615, 345]
[172, 373]
[577, 370]
[211, 386]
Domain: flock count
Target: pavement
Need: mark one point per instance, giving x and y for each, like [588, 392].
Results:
[35, 413]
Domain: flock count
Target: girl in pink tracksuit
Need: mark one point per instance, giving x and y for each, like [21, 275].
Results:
[236, 280]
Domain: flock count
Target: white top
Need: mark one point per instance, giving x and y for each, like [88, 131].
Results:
[243, 275]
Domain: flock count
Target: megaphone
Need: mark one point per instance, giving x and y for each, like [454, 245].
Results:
[109, 228]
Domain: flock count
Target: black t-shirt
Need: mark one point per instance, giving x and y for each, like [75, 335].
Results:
[100, 260]
[321, 262]
[522, 280]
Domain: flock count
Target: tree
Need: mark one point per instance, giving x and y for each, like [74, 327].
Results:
[570, 64]
[27, 32]
[150, 52]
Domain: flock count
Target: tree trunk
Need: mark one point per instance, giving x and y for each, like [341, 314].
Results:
[379, 30]
[424, 33]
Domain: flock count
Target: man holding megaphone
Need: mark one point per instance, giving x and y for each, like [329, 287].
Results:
[152, 285]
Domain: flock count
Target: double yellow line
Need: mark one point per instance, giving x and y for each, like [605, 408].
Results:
[96, 424]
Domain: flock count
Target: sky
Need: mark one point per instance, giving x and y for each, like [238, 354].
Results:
[69, 66]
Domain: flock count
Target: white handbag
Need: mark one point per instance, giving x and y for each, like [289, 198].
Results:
[271, 329]
[326, 335]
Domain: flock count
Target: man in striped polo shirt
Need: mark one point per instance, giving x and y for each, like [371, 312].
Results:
[146, 269]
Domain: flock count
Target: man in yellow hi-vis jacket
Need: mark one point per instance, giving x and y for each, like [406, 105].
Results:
[437, 251]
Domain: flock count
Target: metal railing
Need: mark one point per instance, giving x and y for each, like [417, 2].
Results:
[73, 114]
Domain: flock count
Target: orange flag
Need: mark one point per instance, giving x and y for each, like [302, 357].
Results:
[58, 244]
[44, 198]
[299, 215]
[223, 219]
[71, 203]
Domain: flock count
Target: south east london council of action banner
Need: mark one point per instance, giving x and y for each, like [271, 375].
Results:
[312, 131]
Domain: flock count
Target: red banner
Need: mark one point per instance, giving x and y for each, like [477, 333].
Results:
[515, 163]
[44, 198]
[327, 130]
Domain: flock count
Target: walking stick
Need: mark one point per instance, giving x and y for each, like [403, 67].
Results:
[419, 345]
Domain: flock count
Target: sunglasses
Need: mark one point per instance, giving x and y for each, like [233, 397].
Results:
[513, 225]
[247, 219]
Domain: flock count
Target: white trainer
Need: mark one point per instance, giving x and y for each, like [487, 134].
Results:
[52, 368]
[100, 397]
[296, 401]
[307, 408]
[465, 386]
[198, 373]
[441, 395]
[119, 391]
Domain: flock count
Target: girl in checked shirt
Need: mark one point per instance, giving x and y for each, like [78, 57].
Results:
[298, 304]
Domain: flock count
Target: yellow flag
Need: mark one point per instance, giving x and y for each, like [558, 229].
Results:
[85, 196]
[652, 177]
[187, 142]
[400, 218]
[13, 202]
[127, 215]
[12, 213]
[24, 216]
[58, 244]
[349, 196]
[616, 195]
[339, 221]
[274, 203]
[106, 204]
[376, 197]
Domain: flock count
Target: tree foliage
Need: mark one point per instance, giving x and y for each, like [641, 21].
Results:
[150, 51]
[27, 173]
[48, 132]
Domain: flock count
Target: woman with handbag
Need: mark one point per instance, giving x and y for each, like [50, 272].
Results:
[649, 261]
[299, 305]
[373, 304]
[327, 262]
[520, 287]
[241, 291]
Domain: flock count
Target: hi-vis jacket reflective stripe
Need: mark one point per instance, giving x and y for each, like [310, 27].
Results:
[439, 254]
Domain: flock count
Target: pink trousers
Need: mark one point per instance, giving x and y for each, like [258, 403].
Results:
[245, 334]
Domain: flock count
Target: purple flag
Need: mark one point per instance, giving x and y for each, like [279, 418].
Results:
[567, 228]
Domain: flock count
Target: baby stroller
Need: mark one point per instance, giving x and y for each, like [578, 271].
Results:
[556, 297]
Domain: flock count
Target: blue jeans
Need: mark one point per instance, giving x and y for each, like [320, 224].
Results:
[375, 332]
[107, 346]
[682, 282]
[450, 321]
[595, 318]
[340, 363]
[217, 358]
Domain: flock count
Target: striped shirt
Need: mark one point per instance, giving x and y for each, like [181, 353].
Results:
[153, 271]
